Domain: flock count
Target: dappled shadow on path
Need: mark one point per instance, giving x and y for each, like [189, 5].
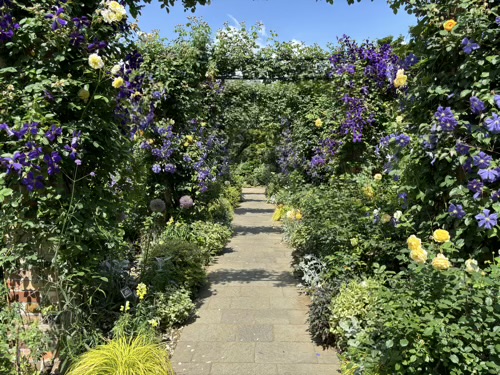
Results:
[242, 230]
[246, 211]
[247, 276]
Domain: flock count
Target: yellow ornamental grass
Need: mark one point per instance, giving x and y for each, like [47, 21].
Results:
[441, 263]
[441, 236]
[136, 356]
[414, 243]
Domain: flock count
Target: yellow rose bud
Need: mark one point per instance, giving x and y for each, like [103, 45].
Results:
[377, 177]
[414, 243]
[418, 255]
[449, 25]
[441, 263]
[441, 235]
[318, 123]
[84, 94]
[385, 218]
[118, 82]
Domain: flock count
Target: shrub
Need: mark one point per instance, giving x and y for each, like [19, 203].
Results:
[174, 306]
[428, 321]
[133, 356]
[210, 237]
[319, 315]
[177, 262]
[350, 308]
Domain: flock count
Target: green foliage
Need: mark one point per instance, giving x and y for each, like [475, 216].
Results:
[432, 322]
[350, 308]
[177, 262]
[174, 306]
[210, 237]
[124, 356]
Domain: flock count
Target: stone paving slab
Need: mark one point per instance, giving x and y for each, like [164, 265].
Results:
[251, 318]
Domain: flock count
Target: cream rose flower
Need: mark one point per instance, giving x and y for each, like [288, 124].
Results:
[318, 123]
[441, 263]
[377, 177]
[471, 266]
[95, 61]
[414, 242]
[401, 79]
[118, 82]
[418, 255]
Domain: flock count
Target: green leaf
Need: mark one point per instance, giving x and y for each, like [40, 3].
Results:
[404, 342]
[389, 343]
[454, 358]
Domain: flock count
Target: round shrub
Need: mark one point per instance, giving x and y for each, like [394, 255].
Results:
[174, 262]
[174, 306]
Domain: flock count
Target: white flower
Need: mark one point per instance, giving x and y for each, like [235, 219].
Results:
[376, 212]
[471, 266]
[116, 69]
[115, 12]
[95, 61]
[397, 215]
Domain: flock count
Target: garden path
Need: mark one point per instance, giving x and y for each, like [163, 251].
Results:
[252, 318]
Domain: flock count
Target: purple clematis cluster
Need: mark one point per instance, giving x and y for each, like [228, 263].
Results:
[7, 27]
[446, 119]
[33, 160]
[469, 46]
[57, 18]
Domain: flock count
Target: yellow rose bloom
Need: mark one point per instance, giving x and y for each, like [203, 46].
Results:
[118, 82]
[418, 255]
[377, 177]
[471, 266]
[318, 123]
[441, 235]
[368, 192]
[95, 61]
[401, 79]
[449, 25]
[441, 263]
[84, 94]
[414, 243]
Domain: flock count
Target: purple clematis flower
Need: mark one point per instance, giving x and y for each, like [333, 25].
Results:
[493, 124]
[462, 149]
[156, 168]
[31, 182]
[482, 160]
[488, 175]
[497, 100]
[53, 133]
[495, 196]
[477, 106]
[58, 20]
[476, 187]
[485, 220]
[457, 211]
[469, 46]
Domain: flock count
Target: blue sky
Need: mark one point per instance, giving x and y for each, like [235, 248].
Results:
[309, 21]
